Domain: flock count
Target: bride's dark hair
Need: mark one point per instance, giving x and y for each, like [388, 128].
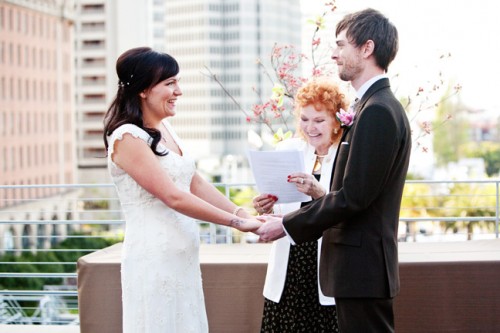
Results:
[138, 69]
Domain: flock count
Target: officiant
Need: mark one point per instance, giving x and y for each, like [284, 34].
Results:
[292, 296]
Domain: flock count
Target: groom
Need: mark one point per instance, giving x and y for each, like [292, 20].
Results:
[359, 218]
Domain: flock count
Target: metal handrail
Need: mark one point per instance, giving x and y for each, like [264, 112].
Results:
[38, 275]
[39, 292]
[227, 187]
[112, 217]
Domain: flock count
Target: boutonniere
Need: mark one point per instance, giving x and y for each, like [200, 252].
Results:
[346, 118]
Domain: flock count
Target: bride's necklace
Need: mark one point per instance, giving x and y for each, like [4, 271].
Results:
[164, 139]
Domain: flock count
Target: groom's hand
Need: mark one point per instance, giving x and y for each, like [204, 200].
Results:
[272, 229]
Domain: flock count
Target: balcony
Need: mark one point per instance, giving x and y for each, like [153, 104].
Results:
[38, 227]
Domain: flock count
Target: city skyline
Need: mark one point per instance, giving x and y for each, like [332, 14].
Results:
[96, 50]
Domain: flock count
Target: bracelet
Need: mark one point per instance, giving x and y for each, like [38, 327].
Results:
[236, 210]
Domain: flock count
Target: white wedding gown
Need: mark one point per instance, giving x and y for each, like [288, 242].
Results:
[160, 270]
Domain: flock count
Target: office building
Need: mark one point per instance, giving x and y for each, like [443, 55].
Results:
[37, 132]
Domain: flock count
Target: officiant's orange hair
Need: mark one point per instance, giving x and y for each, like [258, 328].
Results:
[323, 94]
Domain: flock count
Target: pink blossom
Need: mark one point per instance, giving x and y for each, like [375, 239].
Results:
[317, 72]
[427, 127]
[346, 118]
[257, 109]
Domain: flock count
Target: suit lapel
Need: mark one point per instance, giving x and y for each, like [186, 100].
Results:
[378, 85]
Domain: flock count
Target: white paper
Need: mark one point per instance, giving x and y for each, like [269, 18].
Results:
[271, 169]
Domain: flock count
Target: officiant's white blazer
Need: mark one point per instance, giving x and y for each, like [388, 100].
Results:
[280, 250]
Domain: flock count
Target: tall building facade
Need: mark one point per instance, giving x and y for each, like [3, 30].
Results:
[36, 115]
[37, 132]
[103, 30]
[227, 37]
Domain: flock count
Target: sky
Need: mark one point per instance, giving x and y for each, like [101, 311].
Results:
[430, 28]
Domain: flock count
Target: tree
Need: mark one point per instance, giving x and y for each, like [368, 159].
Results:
[447, 140]
[467, 200]
[488, 151]
[418, 200]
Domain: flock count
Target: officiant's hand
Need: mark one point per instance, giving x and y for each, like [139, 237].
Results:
[272, 228]
[307, 184]
[264, 203]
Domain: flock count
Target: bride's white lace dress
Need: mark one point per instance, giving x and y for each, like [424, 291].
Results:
[160, 272]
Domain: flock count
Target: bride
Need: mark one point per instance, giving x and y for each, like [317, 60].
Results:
[162, 196]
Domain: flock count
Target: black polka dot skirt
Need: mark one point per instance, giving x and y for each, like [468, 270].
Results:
[299, 309]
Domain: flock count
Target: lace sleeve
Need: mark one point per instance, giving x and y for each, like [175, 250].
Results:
[118, 133]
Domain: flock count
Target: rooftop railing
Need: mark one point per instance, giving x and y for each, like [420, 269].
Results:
[44, 229]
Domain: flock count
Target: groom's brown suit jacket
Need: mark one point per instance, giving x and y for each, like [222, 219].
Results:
[359, 217]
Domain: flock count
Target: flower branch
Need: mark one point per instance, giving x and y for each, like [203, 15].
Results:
[260, 114]
[286, 64]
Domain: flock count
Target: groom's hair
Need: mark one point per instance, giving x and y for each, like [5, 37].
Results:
[370, 24]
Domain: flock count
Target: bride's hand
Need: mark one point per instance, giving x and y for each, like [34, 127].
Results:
[245, 225]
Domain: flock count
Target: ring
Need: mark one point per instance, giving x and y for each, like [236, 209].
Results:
[302, 180]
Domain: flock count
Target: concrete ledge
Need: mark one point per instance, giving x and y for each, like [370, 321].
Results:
[453, 285]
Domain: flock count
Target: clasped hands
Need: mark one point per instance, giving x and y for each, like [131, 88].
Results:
[272, 227]
[267, 227]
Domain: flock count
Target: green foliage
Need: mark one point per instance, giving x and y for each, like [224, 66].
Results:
[244, 197]
[76, 244]
[471, 200]
[240, 196]
[488, 151]
[13, 283]
[448, 139]
[419, 200]
[96, 205]
[26, 263]
[458, 200]
[413, 176]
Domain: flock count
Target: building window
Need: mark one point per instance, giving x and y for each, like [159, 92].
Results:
[2, 88]
[19, 89]
[11, 54]
[2, 18]
[3, 123]
[33, 55]
[10, 21]
[28, 157]
[11, 88]
[21, 160]
[20, 123]
[26, 56]
[19, 55]
[12, 158]
[5, 159]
